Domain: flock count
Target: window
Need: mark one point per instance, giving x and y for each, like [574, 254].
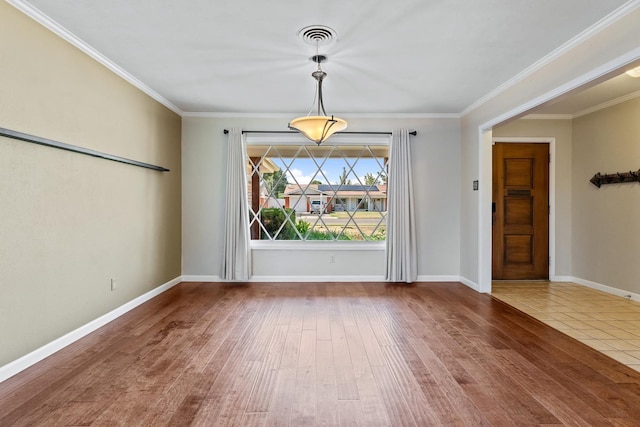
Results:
[301, 191]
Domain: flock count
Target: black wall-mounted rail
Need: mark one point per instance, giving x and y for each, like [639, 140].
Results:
[226, 131]
[68, 147]
[615, 178]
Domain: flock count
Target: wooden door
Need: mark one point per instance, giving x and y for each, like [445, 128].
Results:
[520, 211]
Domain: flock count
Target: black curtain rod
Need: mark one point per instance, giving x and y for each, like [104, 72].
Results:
[74, 148]
[413, 132]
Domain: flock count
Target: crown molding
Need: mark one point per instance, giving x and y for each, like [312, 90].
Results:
[557, 53]
[547, 117]
[607, 104]
[400, 115]
[584, 112]
[62, 32]
[220, 115]
[289, 116]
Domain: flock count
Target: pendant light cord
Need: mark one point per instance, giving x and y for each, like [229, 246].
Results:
[318, 75]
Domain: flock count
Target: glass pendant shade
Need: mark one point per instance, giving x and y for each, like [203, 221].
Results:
[318, 128]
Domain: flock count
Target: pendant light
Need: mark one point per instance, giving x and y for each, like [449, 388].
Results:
[320, 127]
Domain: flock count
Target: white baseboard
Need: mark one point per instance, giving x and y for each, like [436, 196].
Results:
[202, 279]
[315, 279]
[561, 279]
[302, 279]
[604, 288]
[436, 278]
[47, 350]
[470, 283]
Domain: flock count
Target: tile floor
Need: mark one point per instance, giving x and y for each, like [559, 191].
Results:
[605, 322]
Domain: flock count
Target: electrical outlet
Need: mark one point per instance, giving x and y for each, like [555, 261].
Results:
[114, 284]
[332, 259]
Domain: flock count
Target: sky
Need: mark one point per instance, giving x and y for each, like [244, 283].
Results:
[303, 170]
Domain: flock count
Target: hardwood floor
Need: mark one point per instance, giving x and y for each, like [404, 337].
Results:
[369, 354]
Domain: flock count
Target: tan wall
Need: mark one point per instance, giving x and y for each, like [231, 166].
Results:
[68, 222]
[606, 221]
[561, 131]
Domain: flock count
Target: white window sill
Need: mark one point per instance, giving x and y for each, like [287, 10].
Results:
[316, 245]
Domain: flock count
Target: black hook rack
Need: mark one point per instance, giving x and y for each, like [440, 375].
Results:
[615, 178]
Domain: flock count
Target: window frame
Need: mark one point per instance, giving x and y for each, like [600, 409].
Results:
[266, 139]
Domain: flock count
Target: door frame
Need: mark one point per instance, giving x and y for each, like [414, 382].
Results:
[484, 128]
[552, 188]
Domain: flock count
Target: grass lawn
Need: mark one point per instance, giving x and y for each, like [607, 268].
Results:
[357, 215]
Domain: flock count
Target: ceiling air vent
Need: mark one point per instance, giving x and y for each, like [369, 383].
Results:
[317, 35]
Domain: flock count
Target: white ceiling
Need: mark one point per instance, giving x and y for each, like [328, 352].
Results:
[393, 57]
[616, 89]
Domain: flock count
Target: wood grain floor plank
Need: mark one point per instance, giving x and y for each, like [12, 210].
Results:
[284, 391]
[254, 419]
[168, 401]
[230, 323]
[368, 337]
[214, 355]
[399, 411]
[323, 319]
[343, 303]
[265, 383]
[423, 410]
[193, 399]
[326, 386]
[467, 335]
[263, 335]
[303, 411]
[211, 404]
[560, 401]
[234, 404]
[280, 354]
[345, 374]
[488, 405]
[310, 319]
[297, 316]
[377, 326]
[360, 362]
[441, 385]
[520, 405]
[373, 410]
[349, 413]
[286, 311]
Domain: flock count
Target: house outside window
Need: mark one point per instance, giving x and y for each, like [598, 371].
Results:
[300, 191]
